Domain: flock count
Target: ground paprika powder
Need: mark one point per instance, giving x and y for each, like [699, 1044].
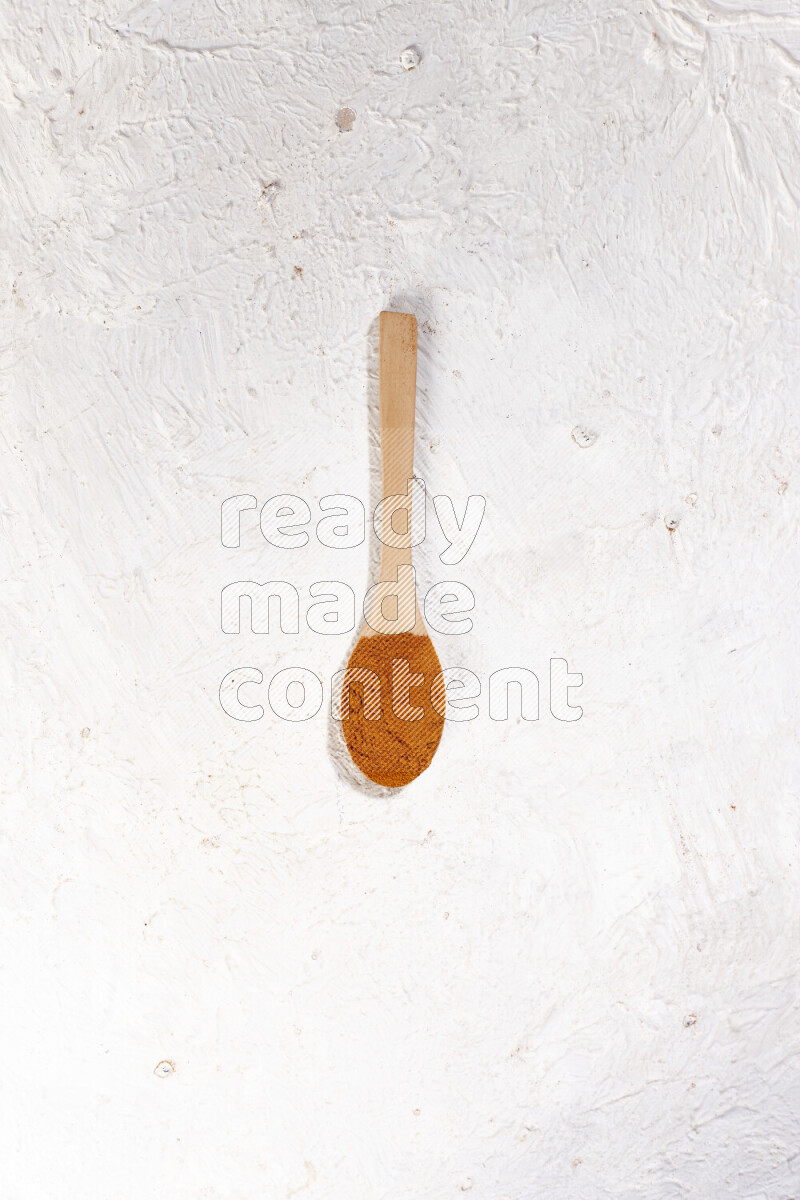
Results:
[392, 706]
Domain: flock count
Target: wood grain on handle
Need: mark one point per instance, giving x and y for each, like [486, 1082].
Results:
[398, 387]
[398, 384]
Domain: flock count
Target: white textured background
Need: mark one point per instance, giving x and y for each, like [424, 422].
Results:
[561, 964]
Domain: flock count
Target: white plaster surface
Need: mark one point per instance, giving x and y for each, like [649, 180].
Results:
[563, 963]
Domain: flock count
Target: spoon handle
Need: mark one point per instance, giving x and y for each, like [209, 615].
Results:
[398, 385]
[398, 382]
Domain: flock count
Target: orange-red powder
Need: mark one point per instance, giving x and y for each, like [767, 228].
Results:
[392, 748]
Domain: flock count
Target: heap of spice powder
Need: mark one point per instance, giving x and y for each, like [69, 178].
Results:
[393, 703]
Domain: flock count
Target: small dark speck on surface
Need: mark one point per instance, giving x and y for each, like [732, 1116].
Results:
[410, 58]
[298, 270]
[583, 437]
[691, 1019]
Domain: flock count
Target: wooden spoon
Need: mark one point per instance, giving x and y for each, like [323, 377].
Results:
[393, 695]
